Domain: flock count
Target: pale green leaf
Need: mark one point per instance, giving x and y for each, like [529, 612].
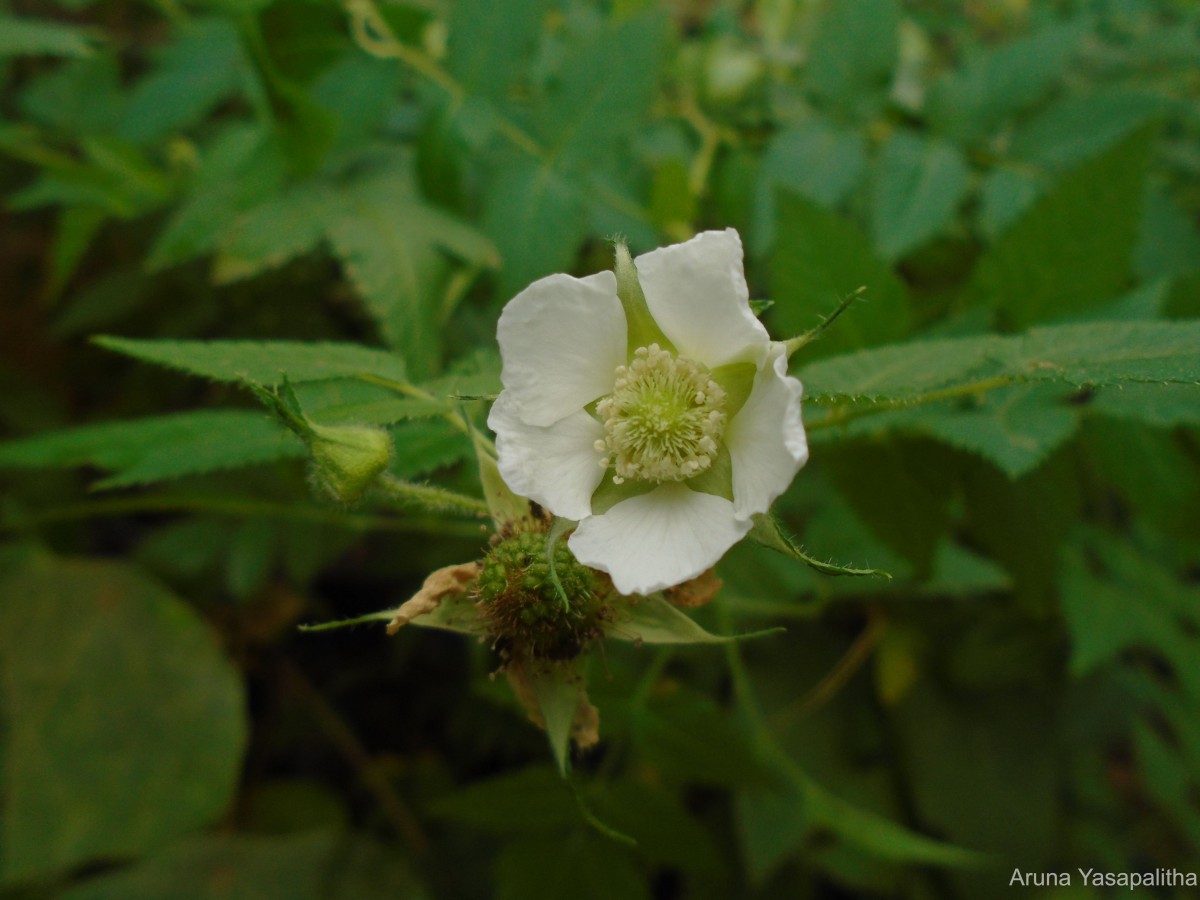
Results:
[997, 82]
[140, 451]
[1072, 249]
[819, 258]
[38, 37]
[559, 690]
[124, 722]
[769, 532]
[652, 620]
[264, 362]
[918, 186]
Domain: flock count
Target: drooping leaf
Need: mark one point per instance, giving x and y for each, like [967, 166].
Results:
[1071, 251]
[559, 689]
[533, 799]
[124, 723]
[263, 361]
[158, 448]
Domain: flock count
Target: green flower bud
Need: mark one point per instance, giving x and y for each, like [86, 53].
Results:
[345, 460]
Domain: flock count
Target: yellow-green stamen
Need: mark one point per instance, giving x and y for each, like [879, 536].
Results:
[663, 419]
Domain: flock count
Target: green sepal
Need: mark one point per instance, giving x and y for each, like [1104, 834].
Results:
[455, 612]
[758, 307]
[642, 330]
[652, 620]
[717, 479]
[737, 380]
[559, 527]
[382, 616]
[502, 503]
[768, 532]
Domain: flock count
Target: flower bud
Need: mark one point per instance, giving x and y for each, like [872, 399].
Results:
[345, 460]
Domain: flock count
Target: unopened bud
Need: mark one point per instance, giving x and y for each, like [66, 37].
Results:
[345, 460]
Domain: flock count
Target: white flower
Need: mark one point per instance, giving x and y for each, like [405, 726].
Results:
[660, 417]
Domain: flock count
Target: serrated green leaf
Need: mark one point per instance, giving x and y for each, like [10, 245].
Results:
[263, 361]
[124, 723]
[1015, 428]
[1095, 353]
[605, 89]
[652, 620]
[917, 188]
[38, 37]
[1160, 405]
[141, 451]
[768, 532]
[242, 167]
[1072, 249]
[970, 102]
[287, 225]
[819, 258]
[424, 446]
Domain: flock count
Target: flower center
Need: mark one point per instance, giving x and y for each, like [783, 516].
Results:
[662, 420]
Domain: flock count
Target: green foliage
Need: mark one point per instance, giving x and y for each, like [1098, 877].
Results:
[122, 717]
[1072, 250]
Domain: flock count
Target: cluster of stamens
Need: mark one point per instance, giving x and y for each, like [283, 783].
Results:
[663, 419]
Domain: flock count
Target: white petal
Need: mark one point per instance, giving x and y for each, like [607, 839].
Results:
[556, 466]
[766, 438]
[658, 539]
[561, 339]
[697, 293]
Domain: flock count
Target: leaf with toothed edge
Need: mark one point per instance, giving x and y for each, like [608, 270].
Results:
[768, 532]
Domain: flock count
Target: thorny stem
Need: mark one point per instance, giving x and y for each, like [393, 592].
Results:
[347, 743]
[429, 496]
[801, 340]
